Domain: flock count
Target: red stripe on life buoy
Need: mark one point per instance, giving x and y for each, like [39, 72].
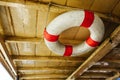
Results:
[91, 42]
[50, 37]
[88, 20]
[68, 50]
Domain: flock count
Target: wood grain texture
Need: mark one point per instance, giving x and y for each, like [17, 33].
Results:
[104, 6]
[82, 4]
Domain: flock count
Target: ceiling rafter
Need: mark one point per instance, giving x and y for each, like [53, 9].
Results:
[59, 59]
[49, 58]
[103, 49]
[5, 53]
[42, 76]
[67, 68]
[54, 8]
[61, 76]
[45, 68]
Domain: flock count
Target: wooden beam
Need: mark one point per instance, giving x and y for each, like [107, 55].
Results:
[47, 79]
[114, 60]
[95, 75]
[32, 40]
[67, 68]
[5, 53]
[22, 40]
[91, 78]
[114, 77]
[64, 79]
[47, 58]
[61, 76]
[1, 28]
[46, 68]
[113, 65]
[103, 69]
[59, 59]
[103, 49]
[54, 8]
[42, 76]
[7, 67]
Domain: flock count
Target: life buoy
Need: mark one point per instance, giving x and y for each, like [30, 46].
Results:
[70, 19]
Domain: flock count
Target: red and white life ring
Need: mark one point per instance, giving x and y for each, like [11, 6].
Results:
[70, 19]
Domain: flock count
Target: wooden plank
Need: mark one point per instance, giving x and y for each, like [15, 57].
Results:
[47, 58]
[25, 64]
[70, 64]
[103, 69]
[74, 38]
[17, 21]
[95, 75]
[42, 49]
[29, 21]
[5, 53]
[5, 21]
[10, 20]
[113, 65]
[61, 2]
[85, 78]
[6, 65]
[82, 4]
[54, 8]
[54, 69]
[46, 79]
[1, 28]
[40, 64]
[114, 77]
[59, 59]
[35, 76]
[46, 68]
[41, 21]
[116, 10]
[38, 40]
[26, 49]
[22, 40]
[104, 48]
[45, 76]
[46, 71]
[104, 6]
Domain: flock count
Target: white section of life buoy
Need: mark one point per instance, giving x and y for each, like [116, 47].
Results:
[71, 19]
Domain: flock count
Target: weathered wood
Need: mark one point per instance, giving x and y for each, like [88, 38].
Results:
[67, 68]
[1, 29]
[62, 76]
[103, 69]
[5, 53]
[45, 76]
[104, 48]
[95, 75]
[33, 40]
[108, 5]
[46, 68]
[86, 78]
[54, 8]
[116, 10]
[5, 21]
[59, 59]
[38, 76]
[47, 58]
[6, 65]
[114, 77]
[46, 79]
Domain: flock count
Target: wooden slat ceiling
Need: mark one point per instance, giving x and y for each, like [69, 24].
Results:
[22, 23]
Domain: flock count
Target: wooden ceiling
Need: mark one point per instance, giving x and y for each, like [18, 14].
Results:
[22, 23]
